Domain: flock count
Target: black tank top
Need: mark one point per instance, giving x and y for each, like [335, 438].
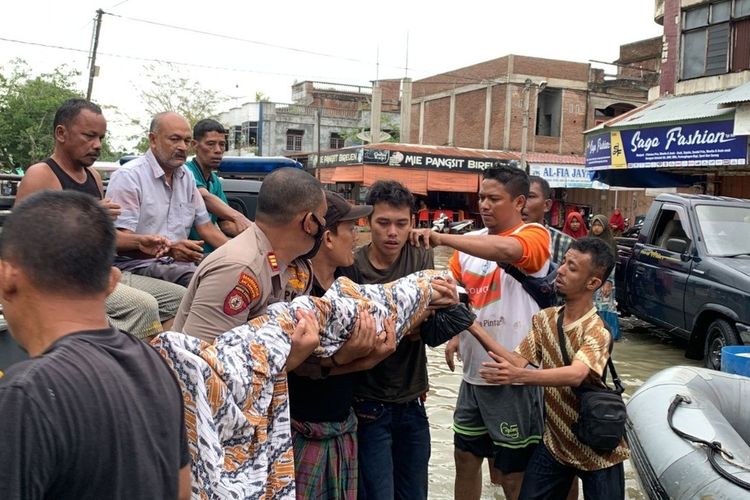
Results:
[67, 182]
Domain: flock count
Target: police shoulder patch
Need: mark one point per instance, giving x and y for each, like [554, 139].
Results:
[242, 295]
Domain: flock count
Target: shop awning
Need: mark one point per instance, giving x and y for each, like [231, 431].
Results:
[348, 174]
[673, 140]
[420, 167]
[415, 180]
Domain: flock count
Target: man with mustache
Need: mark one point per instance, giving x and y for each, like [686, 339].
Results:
[209, 143]
[157, 195]
[138, 305]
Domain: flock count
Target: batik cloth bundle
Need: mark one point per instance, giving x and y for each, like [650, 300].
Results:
[235, 390]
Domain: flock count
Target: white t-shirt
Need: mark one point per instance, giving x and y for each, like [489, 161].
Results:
[502, 306]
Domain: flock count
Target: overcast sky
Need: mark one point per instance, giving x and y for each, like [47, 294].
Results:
[336, 41]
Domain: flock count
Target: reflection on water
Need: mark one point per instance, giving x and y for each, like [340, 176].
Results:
[642, 351]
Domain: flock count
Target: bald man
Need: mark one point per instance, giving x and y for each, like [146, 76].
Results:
[158, 195]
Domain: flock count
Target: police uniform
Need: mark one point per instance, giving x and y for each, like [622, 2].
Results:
[236, 283]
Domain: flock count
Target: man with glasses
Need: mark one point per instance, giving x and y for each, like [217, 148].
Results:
[264, 264]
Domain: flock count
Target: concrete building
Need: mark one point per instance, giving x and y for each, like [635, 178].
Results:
[537, 109]
[695, 129]
[484, 105]
[322, 116]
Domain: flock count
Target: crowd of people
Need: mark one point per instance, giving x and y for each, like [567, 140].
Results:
[276, 358]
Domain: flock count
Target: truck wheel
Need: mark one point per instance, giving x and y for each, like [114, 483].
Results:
[720, 333]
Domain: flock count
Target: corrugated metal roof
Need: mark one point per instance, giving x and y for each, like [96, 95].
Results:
[736, 95]
[554, 159]
[681, 108]
[671, 109]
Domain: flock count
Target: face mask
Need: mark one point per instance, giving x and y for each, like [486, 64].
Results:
[318, 237]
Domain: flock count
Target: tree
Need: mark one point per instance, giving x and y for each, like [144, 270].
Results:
[27, 111]
[260, 96]
[169, 90]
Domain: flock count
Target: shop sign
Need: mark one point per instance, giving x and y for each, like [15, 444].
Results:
[407, 159]
[686, 145]
[563, 176]
[339, 159]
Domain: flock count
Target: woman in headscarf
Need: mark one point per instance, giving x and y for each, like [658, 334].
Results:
[574, 226]
[617, 222]
[604, 298]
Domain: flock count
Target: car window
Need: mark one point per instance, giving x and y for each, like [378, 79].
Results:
[669, 226]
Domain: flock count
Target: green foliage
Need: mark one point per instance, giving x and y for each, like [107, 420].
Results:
[27, 110]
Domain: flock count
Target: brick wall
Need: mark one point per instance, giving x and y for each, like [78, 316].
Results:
[671, 48]
[488, 70]
[470, 106]
[573, 122]
[551, 68]
[469, 119]
[436, 122]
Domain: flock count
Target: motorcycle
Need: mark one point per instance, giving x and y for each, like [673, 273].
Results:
[442, 224]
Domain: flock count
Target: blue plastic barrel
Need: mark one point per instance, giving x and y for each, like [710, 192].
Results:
[736, 359]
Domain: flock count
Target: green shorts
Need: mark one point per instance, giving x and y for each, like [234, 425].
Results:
[503, 422]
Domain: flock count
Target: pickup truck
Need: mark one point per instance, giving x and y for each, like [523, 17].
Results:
[689, 272]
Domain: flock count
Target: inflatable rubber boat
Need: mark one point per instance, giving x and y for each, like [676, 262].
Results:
[688, 432]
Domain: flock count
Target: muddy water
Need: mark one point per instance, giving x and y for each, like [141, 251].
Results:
[643, 351]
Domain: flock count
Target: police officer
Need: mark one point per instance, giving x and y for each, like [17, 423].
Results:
[266, 263]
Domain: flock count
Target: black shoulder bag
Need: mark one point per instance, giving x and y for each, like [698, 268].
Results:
[541, 289]
[601, 410]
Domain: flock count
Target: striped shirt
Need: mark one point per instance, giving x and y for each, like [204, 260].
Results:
[589, 340]
[558, 244]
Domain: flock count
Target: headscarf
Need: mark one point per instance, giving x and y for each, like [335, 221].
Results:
[617, 221]
[582, 231]
[606, 235]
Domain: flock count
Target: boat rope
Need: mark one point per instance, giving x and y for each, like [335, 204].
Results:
[713, 448]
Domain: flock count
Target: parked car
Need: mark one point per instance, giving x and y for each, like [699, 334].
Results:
[688, 271]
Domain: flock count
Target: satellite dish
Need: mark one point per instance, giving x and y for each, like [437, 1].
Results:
[365, 137]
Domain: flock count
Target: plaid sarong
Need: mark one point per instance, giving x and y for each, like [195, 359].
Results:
[325, 459]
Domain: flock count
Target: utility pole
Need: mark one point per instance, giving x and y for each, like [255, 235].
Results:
[525, 126]
[92, 59]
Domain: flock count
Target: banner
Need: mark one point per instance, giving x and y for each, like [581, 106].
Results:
[407, 159]
[564, 176]
[686, 145]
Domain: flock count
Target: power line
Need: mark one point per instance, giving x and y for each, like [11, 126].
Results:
[155, 60]
[283, 47]
[460, 79]
[238, 39]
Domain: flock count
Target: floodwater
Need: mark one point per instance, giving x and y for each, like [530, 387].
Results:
[642, 351]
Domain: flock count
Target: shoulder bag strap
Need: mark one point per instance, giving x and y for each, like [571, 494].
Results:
[610, 365]
[512, 270]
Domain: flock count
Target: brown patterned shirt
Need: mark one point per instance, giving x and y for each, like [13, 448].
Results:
[588, 340]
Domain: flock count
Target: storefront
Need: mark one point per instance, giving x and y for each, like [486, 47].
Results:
[688, 141]
[575, 190]
[442, 177]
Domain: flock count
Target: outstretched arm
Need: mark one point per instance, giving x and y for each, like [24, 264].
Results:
[488, 247]
[503, 372]
[492, 346]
